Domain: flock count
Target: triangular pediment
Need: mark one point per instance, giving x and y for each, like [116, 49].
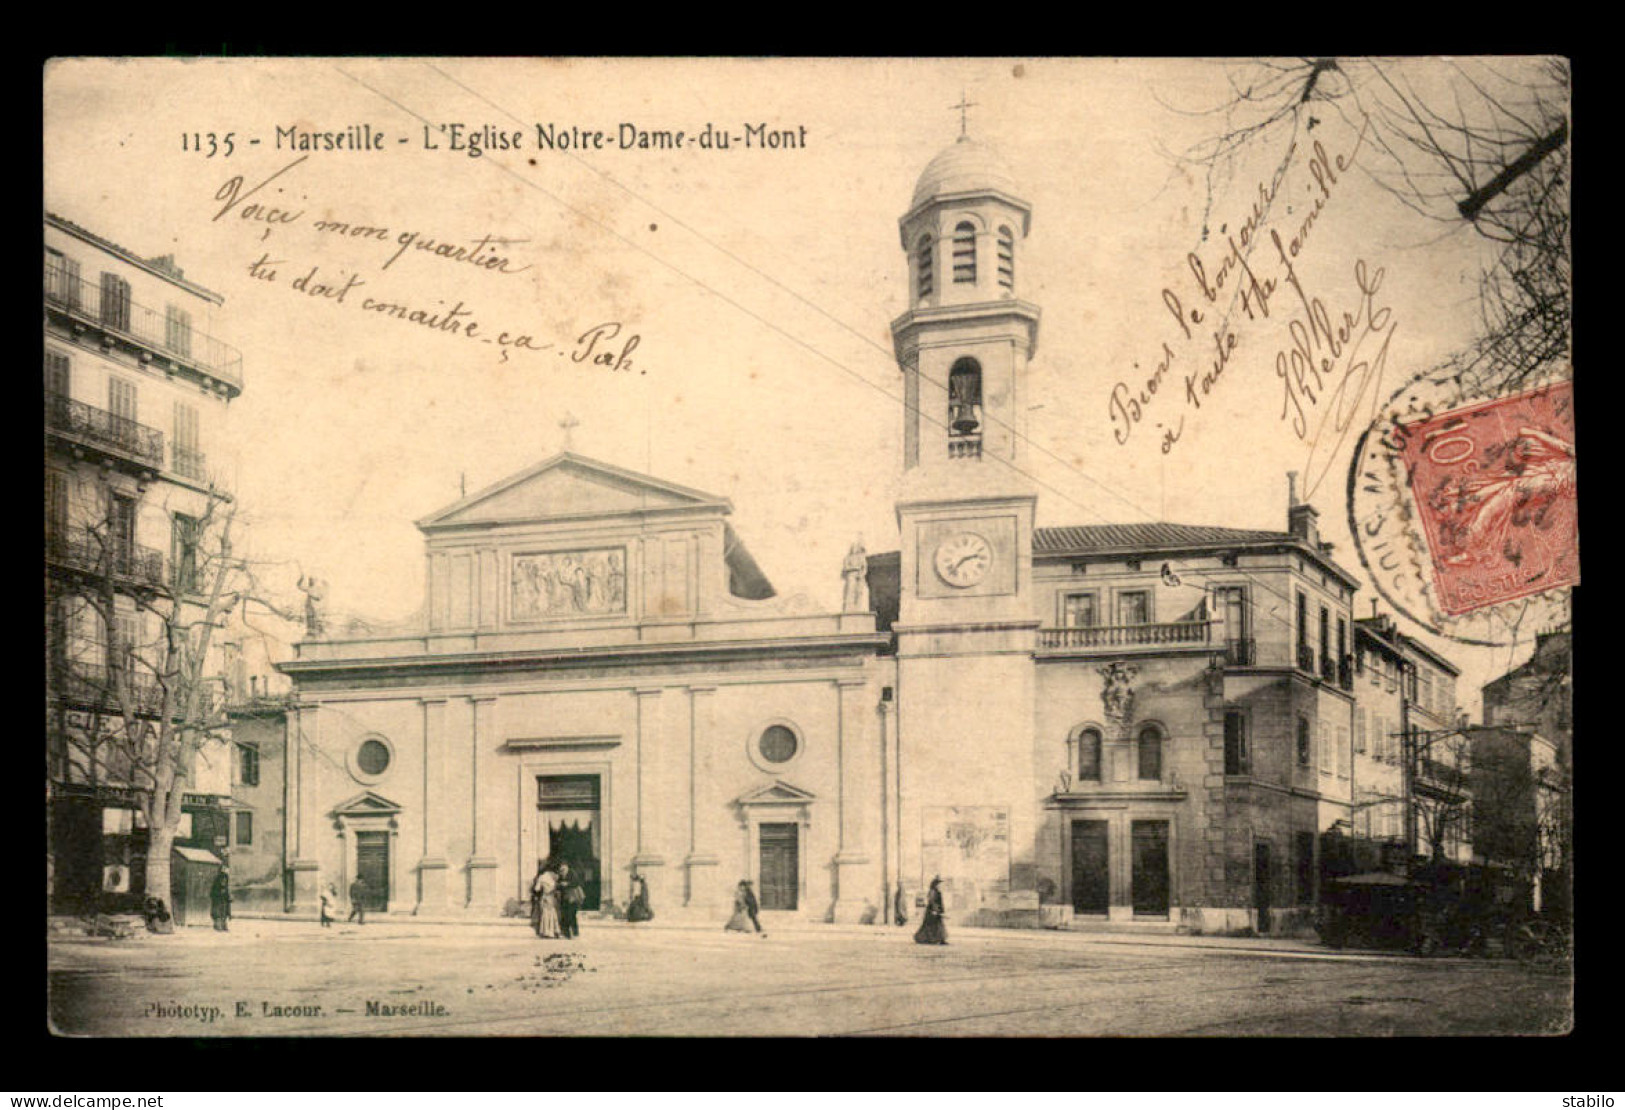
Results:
[570, 486]
[777, 793]
[366, 804]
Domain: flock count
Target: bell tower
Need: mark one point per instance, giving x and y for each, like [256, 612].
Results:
[963, 347]
[964, 343]
[967, 622]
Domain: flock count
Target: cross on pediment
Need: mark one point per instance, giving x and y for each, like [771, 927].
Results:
[569, 424]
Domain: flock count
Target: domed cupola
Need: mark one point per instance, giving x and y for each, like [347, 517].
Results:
[965, 167]
[964, 342]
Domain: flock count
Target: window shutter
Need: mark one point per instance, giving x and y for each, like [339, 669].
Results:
[1007, 259]
[965, 254]
[178, 330]
[115, 302]
[56, 374]
[121, 399]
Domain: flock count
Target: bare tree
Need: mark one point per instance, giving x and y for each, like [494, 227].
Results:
[156, 704]
[1468, 142]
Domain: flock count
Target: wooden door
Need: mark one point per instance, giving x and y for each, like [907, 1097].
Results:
[780, 866]
[1091, 890]
[1150, 878]
[372, 865]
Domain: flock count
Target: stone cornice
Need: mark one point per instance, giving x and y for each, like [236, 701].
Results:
[627, 655]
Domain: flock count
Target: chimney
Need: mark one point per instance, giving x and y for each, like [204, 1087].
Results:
[1301, 517]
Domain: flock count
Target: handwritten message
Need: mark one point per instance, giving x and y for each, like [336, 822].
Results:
[608, 345]
[1332, 358]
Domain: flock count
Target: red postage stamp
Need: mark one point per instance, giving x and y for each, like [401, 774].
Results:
[1494, 485]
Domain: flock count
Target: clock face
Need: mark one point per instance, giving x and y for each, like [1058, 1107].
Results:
[963, 559]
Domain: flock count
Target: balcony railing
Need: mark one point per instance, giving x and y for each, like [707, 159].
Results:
[1328, 668]
[186, 462]
[1306, 658]
[964, 447]
[85, 551]
[105, 430]
[1125, 635]
[92, 684]
[1345, 672]
[160, 331]
[1240, 653]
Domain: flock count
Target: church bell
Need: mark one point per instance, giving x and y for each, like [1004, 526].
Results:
[963, 419]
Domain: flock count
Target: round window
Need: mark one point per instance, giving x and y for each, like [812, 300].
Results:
[372, 757]
[777, 745]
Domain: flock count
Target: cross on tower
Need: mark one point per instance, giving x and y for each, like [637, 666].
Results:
[569, 424]
[961, 107]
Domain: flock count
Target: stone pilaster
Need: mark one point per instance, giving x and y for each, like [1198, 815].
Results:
[481, 896]
[854, 871]
[299, 830]
[702, 895]
[433, 890]
[646, 858]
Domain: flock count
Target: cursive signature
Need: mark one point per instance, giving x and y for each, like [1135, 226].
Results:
[1331, 370]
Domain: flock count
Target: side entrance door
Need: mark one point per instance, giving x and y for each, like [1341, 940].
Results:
[372, 865]
[1150, 877]
[1091, 892]
[780, 866]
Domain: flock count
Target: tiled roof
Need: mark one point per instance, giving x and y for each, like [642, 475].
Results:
[1151, 536]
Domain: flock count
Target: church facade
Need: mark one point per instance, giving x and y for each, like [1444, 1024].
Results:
[1108, 721]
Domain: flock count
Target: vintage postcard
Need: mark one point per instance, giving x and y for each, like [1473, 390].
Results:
[721, 547]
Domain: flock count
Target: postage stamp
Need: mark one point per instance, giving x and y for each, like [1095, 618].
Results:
[1494, 486]
[1464, 508]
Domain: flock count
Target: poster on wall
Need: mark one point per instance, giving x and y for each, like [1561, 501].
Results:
[969, 848]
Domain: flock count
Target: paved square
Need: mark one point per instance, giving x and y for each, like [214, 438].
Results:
[394, 978]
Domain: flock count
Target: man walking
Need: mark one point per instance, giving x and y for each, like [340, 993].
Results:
[220, 901]
[358, 901]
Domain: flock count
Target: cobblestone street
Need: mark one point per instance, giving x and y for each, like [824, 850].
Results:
[394, 978]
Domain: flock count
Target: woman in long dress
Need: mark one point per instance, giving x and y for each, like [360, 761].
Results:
[932, 930]
[545, 904]
[740, 922]
[638, 909]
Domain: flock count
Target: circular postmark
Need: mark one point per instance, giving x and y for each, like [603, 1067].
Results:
[1463, 507]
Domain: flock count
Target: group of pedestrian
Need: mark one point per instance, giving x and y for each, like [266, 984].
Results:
[556, 897]
[358, 902]
[557, 894]
[745, 910]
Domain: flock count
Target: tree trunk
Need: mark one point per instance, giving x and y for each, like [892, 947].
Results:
[160, 840]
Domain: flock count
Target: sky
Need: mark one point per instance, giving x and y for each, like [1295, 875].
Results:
[759, 283]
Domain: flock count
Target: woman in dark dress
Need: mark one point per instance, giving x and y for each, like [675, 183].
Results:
[932, 930]
[638, 909]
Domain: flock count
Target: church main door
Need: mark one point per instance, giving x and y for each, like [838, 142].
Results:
[780, 866]
[570, 816]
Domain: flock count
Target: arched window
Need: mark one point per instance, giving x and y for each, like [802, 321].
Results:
[965, 254]
[965, 398]
[923, 277]
[1007, 259]
[1089, 755]
[1151, 753]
